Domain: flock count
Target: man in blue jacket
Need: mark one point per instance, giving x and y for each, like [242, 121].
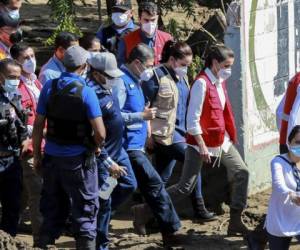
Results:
[113, 159]
[136, 115]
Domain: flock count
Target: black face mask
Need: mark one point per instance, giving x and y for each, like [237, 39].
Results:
[16, 37]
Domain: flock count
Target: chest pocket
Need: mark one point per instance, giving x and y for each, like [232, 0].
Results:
[165, 95]
[215, 104]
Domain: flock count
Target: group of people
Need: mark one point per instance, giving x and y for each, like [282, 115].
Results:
[98, 106]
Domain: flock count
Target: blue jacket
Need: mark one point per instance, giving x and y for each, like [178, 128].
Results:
[135, 133]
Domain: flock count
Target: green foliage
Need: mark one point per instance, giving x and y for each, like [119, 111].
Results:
[195, 68]
[63, 13]
[189, 6]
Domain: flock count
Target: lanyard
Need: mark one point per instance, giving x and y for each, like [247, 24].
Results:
[296, 172]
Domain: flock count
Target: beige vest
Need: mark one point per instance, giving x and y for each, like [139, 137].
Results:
[166, 102]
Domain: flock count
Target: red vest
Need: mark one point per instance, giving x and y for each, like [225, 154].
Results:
[214, 121]
[134, 38]
[29, 103]
[291, 94]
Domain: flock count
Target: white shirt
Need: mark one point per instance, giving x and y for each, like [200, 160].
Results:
[30, 84]
[197, 97]
[283, 216]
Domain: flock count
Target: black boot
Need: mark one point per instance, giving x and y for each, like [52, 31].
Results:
[200, 211]
[44, 242]
[85, 243]
[236, 225]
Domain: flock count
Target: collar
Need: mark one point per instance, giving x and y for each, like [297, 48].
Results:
[145, 38]
[97, 87]
[71, 77]
[59, 64]
[30, 80]
[127, 71]
[129, 25]
[211, 76]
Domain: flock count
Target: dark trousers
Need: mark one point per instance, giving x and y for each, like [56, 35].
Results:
[280, 243]
[165, 161]
[126, 185]
[154, 192]
[69, 186]
[10, 194]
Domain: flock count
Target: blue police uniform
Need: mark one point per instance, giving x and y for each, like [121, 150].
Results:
[113, 151]
[69, 182]
[12, 133]
[149, 181]
[166, 156]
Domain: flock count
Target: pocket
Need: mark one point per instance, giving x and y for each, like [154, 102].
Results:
[90, 208]
[215, 135]
[165, 97]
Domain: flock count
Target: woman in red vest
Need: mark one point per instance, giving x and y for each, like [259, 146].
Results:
[212, 134]
[30, 89]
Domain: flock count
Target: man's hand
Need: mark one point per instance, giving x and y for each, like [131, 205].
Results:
[117, 171]
[295, 198]
[149, 113]
[24, 147]
[204, 154]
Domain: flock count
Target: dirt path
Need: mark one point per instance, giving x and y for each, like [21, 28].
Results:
[208, 236]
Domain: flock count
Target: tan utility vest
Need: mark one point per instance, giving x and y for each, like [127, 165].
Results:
[166, 102]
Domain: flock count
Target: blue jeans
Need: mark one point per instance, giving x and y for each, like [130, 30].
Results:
[69, 186]
[280, 243]
[126, 185]
[165, 161]
[154, 192]
[10, 194]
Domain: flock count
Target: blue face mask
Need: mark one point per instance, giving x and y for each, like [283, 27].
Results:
[11, 85]
[295, 150]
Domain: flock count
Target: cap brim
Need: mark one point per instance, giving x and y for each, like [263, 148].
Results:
[114, 73]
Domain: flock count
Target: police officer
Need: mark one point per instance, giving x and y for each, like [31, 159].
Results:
[136, 114]
[122, 24]
[74, 131]
[13, 142]
[113, 158]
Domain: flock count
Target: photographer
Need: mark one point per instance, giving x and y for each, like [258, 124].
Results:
[13, 142]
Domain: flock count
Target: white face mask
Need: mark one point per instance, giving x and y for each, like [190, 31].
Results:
[14, 14]
[29, 66]
[146, 75]
[120, 19]
[149, 28]
[224, 73]
[11, 85]
[181, 71]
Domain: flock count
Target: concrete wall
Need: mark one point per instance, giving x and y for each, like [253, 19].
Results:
[267, 45]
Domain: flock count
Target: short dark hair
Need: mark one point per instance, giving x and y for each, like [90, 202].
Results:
[179, 50]
[218, 52]
[142, 52]
[64, 39]
[6, 62]
[17, 49]
[148, 7]
[293, 133]
[87, 40]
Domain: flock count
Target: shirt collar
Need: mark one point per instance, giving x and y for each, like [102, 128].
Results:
[30, 80]
[127, 71]
[145, 38]
[73, 77]
[129, 25]
[211, 76]
[58, 62]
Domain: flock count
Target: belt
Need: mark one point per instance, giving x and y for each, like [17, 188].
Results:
[6, 154]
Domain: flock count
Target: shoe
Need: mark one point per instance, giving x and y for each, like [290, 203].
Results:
[85, 243]
[200, 211]
[236, 226]
[141, 215]
[255, 241]
[172, 241]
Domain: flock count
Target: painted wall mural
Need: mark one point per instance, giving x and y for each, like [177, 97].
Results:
[272, 54]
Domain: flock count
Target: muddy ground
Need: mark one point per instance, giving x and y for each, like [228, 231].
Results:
[208, 236]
